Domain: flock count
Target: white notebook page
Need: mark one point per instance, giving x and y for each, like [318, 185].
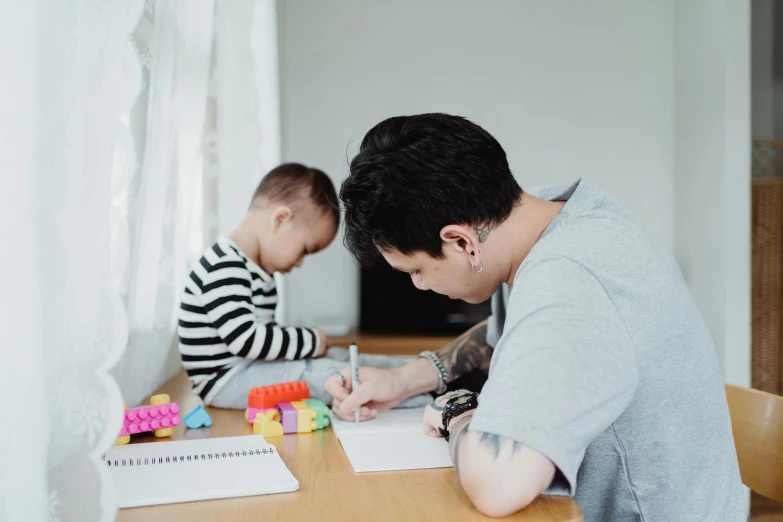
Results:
[394, 440]
[204, 469]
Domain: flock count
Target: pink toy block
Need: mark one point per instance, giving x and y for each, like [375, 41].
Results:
[150, 418]
[287, 417]
[250, 413]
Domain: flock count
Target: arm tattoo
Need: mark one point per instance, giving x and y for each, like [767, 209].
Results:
[495, 444]
[467, 352]
[483, 232]
[458, 431]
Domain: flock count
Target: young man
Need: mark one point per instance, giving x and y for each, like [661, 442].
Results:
[604, 382]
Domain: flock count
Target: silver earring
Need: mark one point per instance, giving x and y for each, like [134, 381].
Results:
[473, 267]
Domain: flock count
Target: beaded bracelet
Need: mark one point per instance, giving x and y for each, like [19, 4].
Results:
[443, 376]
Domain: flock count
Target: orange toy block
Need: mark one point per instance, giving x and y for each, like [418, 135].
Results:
[265, 397]
[265, 424]
[305, 418]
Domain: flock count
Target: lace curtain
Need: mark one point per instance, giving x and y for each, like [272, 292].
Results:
[74, 74]
[174, 41]
[206, 125]
[115, 174]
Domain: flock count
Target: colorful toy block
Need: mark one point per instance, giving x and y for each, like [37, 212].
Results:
[250, 413]
[321, 410]
[197, 418]
[160, 418]
[265, 397]
[288, 417]
[305, 418]
[267, 424]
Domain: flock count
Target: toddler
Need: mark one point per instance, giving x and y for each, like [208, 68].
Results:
[229, 341]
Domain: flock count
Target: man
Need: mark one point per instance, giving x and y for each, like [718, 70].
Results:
[604, 382]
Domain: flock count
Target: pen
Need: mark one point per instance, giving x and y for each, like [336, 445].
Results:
[354, 352]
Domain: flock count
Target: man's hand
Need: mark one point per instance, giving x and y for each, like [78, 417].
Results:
[378, 390]
[323, 343]
[433, 414]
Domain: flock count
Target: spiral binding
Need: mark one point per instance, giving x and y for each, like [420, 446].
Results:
[177, 459]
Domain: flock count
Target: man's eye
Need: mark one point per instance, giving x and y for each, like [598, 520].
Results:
[415, 272]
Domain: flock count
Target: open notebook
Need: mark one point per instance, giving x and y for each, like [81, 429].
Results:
[394, 440]
[184, 471]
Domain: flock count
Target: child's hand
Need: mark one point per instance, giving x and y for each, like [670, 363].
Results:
[323, 343]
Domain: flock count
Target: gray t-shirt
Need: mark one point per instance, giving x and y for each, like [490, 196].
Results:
[603, 363]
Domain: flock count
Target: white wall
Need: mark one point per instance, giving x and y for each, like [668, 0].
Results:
[569, 89]
[712, 170]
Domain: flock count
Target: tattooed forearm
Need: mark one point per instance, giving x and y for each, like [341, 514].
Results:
[457, 431]
[467, 352]
[496, 444]
[482, 232]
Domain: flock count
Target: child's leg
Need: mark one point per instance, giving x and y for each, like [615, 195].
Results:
[234, 393]
[314, 372]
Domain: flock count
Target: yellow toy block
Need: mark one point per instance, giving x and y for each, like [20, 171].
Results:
[157, 400]
[305, 418]
[266, 425]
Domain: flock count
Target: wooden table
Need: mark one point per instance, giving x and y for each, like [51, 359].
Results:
[329, 488]
[393, 344]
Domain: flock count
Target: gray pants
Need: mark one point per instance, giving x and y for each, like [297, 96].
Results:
[314, 372]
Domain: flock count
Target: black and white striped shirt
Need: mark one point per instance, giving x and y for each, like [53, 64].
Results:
[227, 320]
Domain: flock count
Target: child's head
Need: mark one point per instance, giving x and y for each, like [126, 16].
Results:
[296, 213]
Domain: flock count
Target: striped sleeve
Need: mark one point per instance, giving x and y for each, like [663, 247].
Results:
[227, 297]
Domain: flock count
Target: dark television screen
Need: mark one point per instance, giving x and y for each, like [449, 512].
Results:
[391, 304]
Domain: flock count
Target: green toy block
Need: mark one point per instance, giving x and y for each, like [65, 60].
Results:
[321, 412]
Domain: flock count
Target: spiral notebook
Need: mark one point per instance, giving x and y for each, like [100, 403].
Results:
[394, 440]
[190, 470]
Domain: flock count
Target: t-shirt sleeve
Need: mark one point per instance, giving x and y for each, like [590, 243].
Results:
[498, 317]
[563, 370]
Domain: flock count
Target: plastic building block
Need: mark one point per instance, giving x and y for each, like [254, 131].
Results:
[288, 417]
[197, 418]
[250, 414]
[166, 425]
[321, 410]
[265, 397]
[160, 417]
[266, 425]
[305, 418]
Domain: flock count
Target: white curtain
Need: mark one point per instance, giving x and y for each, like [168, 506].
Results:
[112, 179]
[73, 73]
[175, 42]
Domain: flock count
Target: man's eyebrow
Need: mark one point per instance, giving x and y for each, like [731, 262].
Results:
[398, 269]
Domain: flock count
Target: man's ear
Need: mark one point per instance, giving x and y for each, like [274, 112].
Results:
[460, 239]
[279, 216]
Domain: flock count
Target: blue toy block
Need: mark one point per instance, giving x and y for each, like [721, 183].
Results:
[197, 418]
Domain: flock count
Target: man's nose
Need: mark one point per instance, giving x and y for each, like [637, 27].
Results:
[419, 283]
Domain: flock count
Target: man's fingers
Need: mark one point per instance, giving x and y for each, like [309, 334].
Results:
[431, 431]
[358, 397]
[334, 387]
[366, 413]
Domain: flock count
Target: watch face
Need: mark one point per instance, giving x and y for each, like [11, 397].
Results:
[462, 400]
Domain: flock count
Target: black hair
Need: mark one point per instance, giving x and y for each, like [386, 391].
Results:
[290, 181]
[414, 175]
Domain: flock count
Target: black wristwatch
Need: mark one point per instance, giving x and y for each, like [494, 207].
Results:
[455, 407]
